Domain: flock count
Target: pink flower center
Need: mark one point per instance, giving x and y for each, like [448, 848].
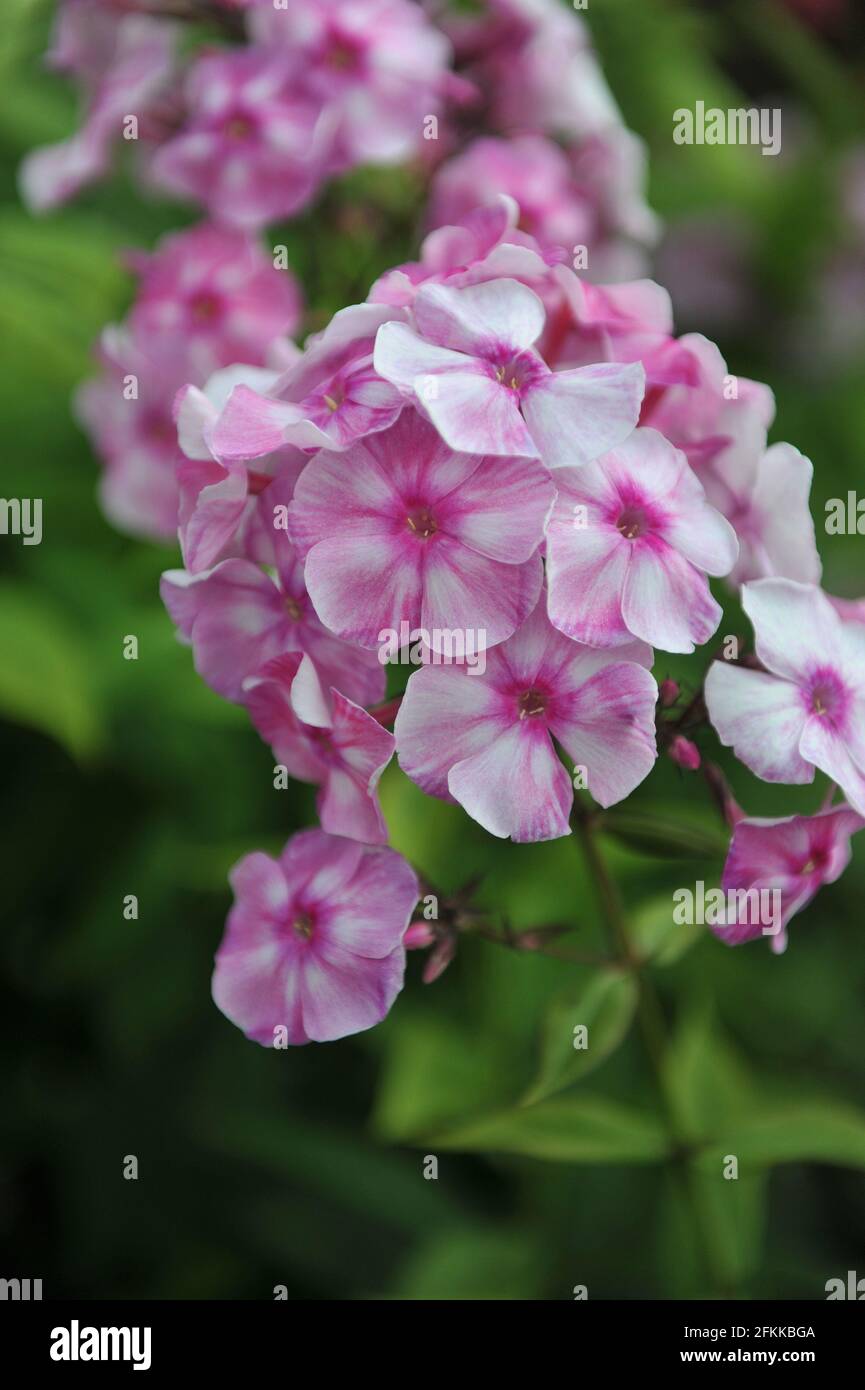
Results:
[633, 522]
[158, 428]
[826, 696]
[421, 522]
[239, 126]
[531, 704]
[293, 609]
[303, 925]
[518, 372]
[816, 862]
[205, 307]
[343, 55]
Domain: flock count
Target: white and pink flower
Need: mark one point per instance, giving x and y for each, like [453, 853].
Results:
[314, 944]
[252, 147]
[399, 528]
[792, 855]
[486, 740]
[629, 545]
[468, 360]
[806, 709]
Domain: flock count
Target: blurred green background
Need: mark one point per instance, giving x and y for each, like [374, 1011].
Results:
[305, 1168]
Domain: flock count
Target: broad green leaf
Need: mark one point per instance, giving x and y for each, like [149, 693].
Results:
[573, 1129]
[710, 1231]
[656, 937]
[794, 1131]
[433, 1073]
[707, 1082]
[44, 680]
[477, 1265]
[604, 1004]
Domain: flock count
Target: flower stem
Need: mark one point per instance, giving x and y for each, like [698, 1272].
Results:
[654, 1032]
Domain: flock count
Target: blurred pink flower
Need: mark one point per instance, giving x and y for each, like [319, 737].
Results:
[535, 64]
[126, 412]
[121, 61]
[211, 295]
[629, 544]
[764, 496]
[486, 740]
[252, 145]
[314, 942]
[377, 68]
[533, 171]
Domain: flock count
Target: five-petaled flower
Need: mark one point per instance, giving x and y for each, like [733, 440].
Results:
[629, 545]
[486, 741]
[314, 943]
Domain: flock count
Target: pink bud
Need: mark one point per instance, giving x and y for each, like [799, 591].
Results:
[418, 936]
[668, 692]
[685, 753]
[439, 959]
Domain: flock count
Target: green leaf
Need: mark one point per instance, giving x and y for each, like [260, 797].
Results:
[706, 1080]
[710, 1216]
[604, 1004]
[578, 1129]
[666, 836]
[657, 938]
[44, 679]
[795, 1131]
[460, 1075]
[482, 1264]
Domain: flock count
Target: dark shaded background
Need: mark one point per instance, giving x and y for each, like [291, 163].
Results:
[304, 1168]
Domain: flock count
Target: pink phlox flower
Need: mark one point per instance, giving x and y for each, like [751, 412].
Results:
[468, 360]
[215, 291]
[378, 68]
[532, 170]
[252, 145]
[400, 529]
[806, 708]
[486, 244]
[629, 545]
[764, 495]
[126, 412]
[327, 398]
[122, 62]
[710, 411]
[793, 856]
[313, 947]
[486, 740]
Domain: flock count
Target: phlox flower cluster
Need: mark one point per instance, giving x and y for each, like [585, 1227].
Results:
[493, 444]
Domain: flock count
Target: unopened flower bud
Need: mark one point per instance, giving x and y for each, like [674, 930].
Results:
[668, 692]
[419, 936]
[685, 753]
[439, 958]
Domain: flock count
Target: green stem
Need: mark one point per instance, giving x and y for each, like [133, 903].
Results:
[653, 1028]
